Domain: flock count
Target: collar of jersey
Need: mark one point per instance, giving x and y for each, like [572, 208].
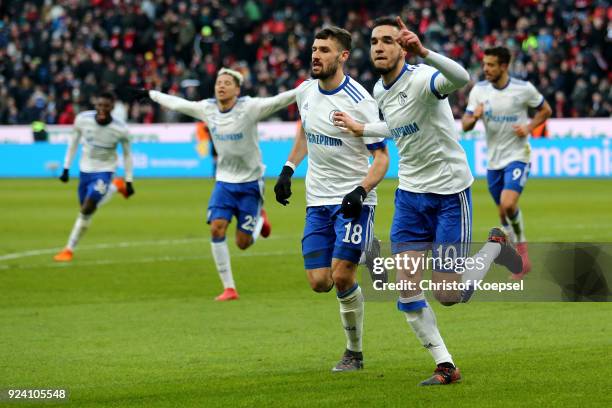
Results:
[503, 87]
[338, 89]
[387, 87]
[227, 110]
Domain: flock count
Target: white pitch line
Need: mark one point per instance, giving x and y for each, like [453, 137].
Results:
[36, 252]
[126, 244]
[17, 255]
[143, 260]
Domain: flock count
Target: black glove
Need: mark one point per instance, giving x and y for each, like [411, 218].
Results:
[137, 94]
[352, 203]
[64, 177]
[129, 189]
[282, 189]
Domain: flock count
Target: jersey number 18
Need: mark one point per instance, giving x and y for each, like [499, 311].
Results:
[354, 237]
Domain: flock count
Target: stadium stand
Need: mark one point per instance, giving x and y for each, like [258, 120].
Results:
[54, 55]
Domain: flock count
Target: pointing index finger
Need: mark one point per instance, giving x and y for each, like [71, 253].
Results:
[401, 23]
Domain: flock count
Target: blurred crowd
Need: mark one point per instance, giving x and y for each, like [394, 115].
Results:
[55, 55]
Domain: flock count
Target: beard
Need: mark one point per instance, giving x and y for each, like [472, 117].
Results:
[386, 70]
[495, 79]
[326, 73]
[383, 71]
[103, 122]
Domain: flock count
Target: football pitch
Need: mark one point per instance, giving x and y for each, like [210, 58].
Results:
[131, 321]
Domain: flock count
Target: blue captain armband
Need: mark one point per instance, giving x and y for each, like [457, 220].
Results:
[432, 86]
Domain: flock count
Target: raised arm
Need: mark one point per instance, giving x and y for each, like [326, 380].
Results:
[189, 108]
[452, 76]
[264, 107]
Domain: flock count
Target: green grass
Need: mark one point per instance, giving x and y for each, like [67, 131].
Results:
[135, 325]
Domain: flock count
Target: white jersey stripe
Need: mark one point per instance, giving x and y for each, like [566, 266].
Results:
[463, 223]
[369, 228]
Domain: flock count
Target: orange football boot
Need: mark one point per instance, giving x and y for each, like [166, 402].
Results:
[443, 376]
[228, 294]
[120, 184]
[266, 228]
[65, 255]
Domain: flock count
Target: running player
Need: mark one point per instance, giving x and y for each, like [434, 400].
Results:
[433, 201]
[340, 183]
[100, 133]
[238, 191]
[502, 103]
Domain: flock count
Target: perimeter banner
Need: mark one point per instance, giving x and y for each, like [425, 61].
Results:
[555, 158]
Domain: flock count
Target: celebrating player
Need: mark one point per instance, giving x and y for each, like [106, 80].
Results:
[101, 133]
[239, 184]
[433, 201]
[340, 183]
[502, 103]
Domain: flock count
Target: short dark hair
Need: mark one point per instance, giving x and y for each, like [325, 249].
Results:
[342, 36]
[107, 95]
[385, 20]
[502, 54]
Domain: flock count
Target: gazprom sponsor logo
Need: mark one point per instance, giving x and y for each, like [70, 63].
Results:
[324, 140]
[228, 137]
[489, 116]
[405, 130]
[225, 137]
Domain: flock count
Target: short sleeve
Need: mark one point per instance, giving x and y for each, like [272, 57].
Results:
[78, 122]
[374, 143]
[534, 98]
[472, 101]
[125, 133]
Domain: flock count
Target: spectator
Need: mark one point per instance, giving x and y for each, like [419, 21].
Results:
[597, 107]
[67, 116]
[580, 98]
[64, 51]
